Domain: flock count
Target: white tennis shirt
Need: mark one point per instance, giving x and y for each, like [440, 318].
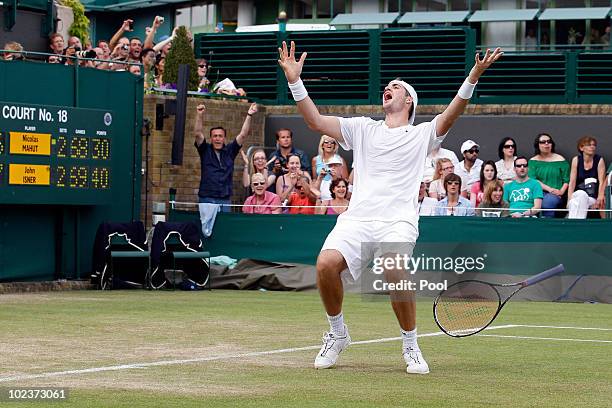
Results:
[389, 165]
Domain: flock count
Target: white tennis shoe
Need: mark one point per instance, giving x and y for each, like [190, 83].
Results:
[332, 347]
[415, 363]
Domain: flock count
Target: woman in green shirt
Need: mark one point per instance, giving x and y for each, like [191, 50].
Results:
[551, 170]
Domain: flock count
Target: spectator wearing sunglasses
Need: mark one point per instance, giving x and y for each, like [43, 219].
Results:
[523, 195]
[507, 152]
[454, 204]
[444, 167]
[328, 150]
[204, 83]
[469, 168]
[587, 187]
[551, 170]
[262, 201]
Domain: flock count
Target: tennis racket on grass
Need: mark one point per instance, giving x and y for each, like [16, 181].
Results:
[468, 307]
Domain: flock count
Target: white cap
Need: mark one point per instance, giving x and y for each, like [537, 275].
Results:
[467, 145]
[413, 94]
[334, 160]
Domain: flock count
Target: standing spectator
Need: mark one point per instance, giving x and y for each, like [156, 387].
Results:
[302, 199]
[148, 64]
[217, 159]
[159, 69]
[432, 159]
[507, 152]
[328, 174]
[56, 43]
[262, 201]
[587, 185]
[551, 170]
[469, 168]
[204, 83]
[286, 183]
[16, 54]
[488, 174]
[453, 203]
[427, 205]
[119, 37]
[328, 149]
[135, 49]
[444, 167]
[284, 148]
[338, 202]
[256, 165]
[493, 204]
[524, 195]
[105, 49]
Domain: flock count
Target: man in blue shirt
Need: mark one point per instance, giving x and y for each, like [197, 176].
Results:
[217, 159]
[284, 148]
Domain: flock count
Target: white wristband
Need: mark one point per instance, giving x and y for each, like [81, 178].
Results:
[298, 90]
[467, 89]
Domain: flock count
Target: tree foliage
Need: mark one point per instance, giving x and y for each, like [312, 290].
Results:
[80, 25]
[181, 53]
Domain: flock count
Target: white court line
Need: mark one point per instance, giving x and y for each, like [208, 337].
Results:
[562, 327]
[205, 359]
[544, 338]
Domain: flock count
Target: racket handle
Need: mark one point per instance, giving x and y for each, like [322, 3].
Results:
[544, 275]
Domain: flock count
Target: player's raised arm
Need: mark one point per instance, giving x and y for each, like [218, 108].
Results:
[321, 124]
[458, 104]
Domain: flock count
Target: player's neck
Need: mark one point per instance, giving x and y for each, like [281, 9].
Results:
[396, 119]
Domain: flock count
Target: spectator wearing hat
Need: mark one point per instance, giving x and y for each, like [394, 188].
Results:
[469, 168]
[332, 171]
[454, 203]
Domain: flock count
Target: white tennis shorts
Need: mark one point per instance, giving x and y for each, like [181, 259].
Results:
[360, 241]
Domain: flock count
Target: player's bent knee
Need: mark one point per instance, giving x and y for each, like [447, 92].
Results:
[330, 262]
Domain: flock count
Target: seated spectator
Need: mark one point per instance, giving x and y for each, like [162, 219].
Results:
[493, 204]
[454, 203]
[338, 202]
[432, 159]
[427, 205]
[551, 170]
[16, 54]
[204, 83]
[488, 174]
[256, 165]
[523, 195]
[328, 149]
[262, 201]
[587, 184]
[332, 171]
[286, 183]
[507, 152]
[284, 148]
[469, 168]
[444, 167]
[302, 199]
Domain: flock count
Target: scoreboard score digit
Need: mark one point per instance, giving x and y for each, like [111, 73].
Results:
[55, 155]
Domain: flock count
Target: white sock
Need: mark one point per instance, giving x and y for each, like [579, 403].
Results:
[409, 339]
[336, 324]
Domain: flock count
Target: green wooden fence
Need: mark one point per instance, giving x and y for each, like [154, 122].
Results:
[352, 67]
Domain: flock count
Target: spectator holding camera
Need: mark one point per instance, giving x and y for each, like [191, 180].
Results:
[332, 171]
[338, 202]
[551, 170]
[262, 201]
[328, 149]
[454, 204]
[119, 37]
[587, 183]
[493, 204]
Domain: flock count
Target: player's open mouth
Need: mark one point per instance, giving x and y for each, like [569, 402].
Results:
[387, 96]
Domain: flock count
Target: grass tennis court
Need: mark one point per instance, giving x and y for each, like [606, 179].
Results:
[517, 365]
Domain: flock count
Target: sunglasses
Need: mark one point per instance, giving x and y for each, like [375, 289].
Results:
[452, 183]
[330, 142]
[202, 66]
[547, 141]
[508, 146]
[473, 151]
[258, 183]
[518, 166]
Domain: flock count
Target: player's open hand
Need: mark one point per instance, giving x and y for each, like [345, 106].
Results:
[481, 65]
[288, 63]
[253, 109]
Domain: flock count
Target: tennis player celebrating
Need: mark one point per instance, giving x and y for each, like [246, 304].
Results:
[389, 159]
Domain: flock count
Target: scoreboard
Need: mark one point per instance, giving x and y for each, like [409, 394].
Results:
[57, 155]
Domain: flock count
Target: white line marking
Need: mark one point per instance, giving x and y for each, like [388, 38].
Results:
[562, 327]
[22, 377]
[544, 338]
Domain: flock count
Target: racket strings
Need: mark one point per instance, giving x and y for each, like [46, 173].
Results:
[467, 307]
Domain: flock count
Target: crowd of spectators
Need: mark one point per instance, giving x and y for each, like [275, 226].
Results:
[543, 185]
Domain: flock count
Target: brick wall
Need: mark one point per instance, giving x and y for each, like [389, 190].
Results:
[186, 178]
